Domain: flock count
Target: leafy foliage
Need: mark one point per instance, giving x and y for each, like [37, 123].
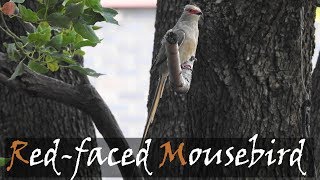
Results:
[4, 161]
[56, 33]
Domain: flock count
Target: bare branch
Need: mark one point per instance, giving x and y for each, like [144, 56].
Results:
[180, 75]
[84, 97]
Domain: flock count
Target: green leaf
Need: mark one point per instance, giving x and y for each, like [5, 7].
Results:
[66, 53]
[96, 27]
[78, 38]
[13, 53]
[37, 67]
[110, 11]
[69, 60]
[52, 64]
[85, 43]
[109, 15]
[67, 2]
[56, 42]
[63, 57]
[50, 3]
[86, 31]
[91, 17]
[26, 44]
[64, 3]
[85, 71]
[27, 14]
[74, 10]
[4, 161]
[68, 37]
[24, 39]
[42, 35]
[41, 12]
[44, 27]
[18, 1]
[59, 20]
[94, 4]
[79, 52]
[18, 71]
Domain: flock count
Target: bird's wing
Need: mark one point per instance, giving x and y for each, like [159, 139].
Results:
[162, 57]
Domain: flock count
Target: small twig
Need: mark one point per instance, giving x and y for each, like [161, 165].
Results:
[13, 36]
[7, 28]
[3, 78]
[4, 30]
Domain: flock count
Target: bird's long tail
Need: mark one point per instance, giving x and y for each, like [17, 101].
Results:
[153, 110]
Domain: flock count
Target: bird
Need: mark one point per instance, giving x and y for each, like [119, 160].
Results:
[187, 33]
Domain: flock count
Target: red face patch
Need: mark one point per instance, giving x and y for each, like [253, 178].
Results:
[193, 11]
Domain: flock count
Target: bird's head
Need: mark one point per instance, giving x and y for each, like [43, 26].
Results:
[192, 12]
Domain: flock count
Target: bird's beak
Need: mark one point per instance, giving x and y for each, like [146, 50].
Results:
[200, 13]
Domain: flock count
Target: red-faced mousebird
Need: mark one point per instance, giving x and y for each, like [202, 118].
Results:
[187, 32]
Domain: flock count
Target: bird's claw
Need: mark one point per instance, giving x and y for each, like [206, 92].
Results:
[172, 37]
[193, 59]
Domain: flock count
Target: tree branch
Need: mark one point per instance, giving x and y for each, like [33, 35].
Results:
[180, 75]
[84, 97]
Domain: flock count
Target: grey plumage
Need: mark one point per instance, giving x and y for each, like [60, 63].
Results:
[187, 32]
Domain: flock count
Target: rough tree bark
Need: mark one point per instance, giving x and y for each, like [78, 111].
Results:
[25, 116]
[250, 75]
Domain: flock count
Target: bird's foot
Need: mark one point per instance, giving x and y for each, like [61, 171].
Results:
[172, 37]
[193, 58]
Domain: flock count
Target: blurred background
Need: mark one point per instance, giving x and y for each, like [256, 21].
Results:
[124, 56]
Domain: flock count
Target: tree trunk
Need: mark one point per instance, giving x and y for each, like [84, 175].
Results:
[252, 75]
[25, 116]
